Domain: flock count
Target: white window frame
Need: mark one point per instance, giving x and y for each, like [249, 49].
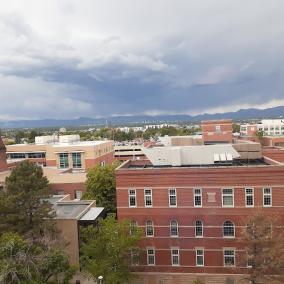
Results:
[175, 255]
[64, 165]
[234, 227]
[75, 159]
[154, 254]
[249, 194]
[135, 196]
[146, 226]
[195, 195]
[78, 194]
[134, 255]
[202, 227]
[147, 195]
[248, 262]
[264, 194]
[169, 196]
[217, 128]
[174, 236]
[196, 256]
[226, 194]
[133, 226]
[229, 249]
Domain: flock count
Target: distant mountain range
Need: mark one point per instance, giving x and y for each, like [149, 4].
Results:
[242, 114]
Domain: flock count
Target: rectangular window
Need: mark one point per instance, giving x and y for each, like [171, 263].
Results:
[229, 257]
[63, 160]
[148, 197]
[134, 257]
[172, 197]
[133, 227]
[267, 200]
[150, 256]
[149, 228]
[76, 160]
[197, 197]
[102, 163]
[199, 257]
[250, 262]
[249, 197]
[175, 256]
[228, 197]
[17, 155]
[218, 128]
[78, 194]
[132, 197]
[36, 155]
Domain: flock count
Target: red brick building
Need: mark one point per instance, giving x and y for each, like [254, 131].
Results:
[217, 131]
[3, 162]
[193, 215]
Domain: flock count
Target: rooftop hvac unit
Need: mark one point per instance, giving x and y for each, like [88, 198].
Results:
[229, 157]
[223, 158]
[216, 158]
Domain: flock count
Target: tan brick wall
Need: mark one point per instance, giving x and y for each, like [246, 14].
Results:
[69, 233]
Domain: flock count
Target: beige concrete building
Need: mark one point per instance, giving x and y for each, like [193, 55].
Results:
[70, 215]
[63, 152]
[188, 140]
[128, 152]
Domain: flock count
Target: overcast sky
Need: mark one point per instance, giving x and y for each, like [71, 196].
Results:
[72, 58]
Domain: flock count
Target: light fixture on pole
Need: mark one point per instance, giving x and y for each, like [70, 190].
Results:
[100, 278]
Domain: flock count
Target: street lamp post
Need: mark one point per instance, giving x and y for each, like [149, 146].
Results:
[100, 278]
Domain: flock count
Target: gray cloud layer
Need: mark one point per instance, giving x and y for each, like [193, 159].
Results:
[70, 58]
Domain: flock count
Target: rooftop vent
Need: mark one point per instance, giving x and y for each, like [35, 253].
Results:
[223, 158]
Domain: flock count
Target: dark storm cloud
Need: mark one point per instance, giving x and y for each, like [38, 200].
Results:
[73, 59]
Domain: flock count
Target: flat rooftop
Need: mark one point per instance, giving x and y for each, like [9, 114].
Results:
[72, 209]
[146, 164]
[62, 144]
[55, 176]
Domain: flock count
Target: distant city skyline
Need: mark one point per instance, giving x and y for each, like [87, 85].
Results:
[67, 58]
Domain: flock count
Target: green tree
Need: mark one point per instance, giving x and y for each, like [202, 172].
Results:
[24, 262]
[259, 135]
[100, 185]
[169, 130]
[263, 240]
[19, 135]
[236, 127]
[106, 249]
[24, 209]
[32, 135]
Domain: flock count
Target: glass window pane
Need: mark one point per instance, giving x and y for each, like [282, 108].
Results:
[63, 160]
[77, 161]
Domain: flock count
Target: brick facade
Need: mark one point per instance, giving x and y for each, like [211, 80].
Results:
[211, 181]
[68, 188]
[217, 131]
[108, 159]
[3, 163]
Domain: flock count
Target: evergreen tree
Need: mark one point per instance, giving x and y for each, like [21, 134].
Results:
[23, 203]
